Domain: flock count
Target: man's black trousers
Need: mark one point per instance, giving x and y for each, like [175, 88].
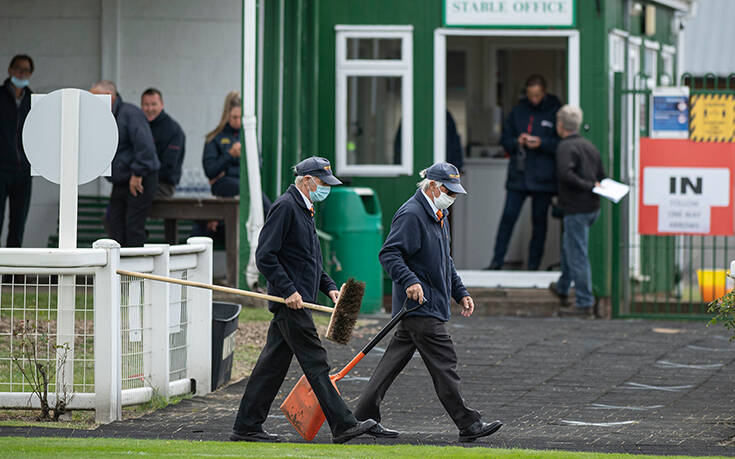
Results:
[128, 213]
[15, 187]
[429, 336]
[291, 332]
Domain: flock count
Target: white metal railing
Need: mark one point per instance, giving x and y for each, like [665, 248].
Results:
[129, 338]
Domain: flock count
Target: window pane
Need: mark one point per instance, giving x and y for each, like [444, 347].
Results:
[373, 120]
[374, 48]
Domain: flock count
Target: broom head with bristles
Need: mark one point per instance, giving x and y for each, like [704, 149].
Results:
[345, 312]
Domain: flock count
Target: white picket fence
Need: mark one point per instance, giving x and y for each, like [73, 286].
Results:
[128, 338]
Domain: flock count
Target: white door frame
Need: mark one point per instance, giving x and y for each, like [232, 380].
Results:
[440, 71]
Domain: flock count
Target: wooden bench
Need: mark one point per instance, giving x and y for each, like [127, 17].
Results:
[91, 227]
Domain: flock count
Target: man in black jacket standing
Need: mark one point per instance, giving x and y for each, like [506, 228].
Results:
[169, 140]
[134, 170]
[579, 169]
[417, 259]
[529, 137]
[290, 258]
[15, 170]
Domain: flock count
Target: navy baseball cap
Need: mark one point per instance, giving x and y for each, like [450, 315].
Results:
[318, 167]
[448, 175]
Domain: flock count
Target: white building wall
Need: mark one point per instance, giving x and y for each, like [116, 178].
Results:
[188, 49]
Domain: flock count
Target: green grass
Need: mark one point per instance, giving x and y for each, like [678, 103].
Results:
[258, 314]
[254, 314]
[107, 447]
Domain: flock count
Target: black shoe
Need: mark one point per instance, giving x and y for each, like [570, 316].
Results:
[479, 429]
[355, 431]
[563, 299]
[493, 267]
[254, 436]
[379, 431]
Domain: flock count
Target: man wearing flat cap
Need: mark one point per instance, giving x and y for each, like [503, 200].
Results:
[290, 258]
[416, 256]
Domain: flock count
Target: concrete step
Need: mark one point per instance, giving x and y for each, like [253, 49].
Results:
[518, 302]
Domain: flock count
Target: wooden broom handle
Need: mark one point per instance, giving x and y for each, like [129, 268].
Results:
[219, 288]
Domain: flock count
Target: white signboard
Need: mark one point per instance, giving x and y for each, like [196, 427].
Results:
[685, 196]
[509, 13]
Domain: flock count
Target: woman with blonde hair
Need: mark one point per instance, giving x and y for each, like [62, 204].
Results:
[221, 161]
[221, 158]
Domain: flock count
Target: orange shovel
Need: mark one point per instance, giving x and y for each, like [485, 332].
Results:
[301, 407]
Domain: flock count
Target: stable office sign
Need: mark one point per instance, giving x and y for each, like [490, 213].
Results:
[686, 187]
[509, 13]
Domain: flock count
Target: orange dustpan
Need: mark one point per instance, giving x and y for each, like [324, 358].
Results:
[302, 408]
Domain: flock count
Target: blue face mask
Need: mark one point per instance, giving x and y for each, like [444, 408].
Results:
[320, 194]
[18, 83]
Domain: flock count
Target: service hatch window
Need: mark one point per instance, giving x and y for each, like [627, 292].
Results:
[374, 112]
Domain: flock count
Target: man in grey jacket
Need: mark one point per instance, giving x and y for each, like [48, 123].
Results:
[134, 170]
[579, 170]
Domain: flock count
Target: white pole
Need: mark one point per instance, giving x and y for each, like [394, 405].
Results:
[250, 124]
[199, 308]
[68, 180]
[107, 338]
[156, 325]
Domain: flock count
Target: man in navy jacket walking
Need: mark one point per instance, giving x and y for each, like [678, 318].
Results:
[416, 256]
[289, 256]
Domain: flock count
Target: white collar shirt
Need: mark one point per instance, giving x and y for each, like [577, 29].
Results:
[308, 203]
[431, 203]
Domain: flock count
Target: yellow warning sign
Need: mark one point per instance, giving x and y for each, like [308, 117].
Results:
[712, 118]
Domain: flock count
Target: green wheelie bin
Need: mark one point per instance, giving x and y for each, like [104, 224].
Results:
[353, 218]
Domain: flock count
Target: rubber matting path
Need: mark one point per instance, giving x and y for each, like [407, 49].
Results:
[571, 384]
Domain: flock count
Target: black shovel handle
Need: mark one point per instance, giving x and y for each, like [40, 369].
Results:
[389, 326]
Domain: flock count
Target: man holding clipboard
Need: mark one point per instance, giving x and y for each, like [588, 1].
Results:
[579, 172]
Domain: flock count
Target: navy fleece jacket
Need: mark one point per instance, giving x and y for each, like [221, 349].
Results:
[417, 250]
[289, 254]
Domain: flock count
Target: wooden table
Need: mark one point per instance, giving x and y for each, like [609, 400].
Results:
[171, 210]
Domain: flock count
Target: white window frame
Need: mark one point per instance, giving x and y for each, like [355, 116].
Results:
[402, 68]
[667, 57]
[440, 71]
[651, 48]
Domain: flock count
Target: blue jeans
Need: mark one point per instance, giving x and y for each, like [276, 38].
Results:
[575, 263]
[540, 202]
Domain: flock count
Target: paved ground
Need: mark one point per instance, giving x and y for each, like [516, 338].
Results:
[572, 384]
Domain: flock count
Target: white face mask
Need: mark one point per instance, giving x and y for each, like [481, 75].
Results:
[443, 201]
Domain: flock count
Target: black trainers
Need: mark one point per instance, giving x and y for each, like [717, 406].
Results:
[563, 299]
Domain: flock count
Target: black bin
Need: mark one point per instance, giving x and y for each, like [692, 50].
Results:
[224, 326]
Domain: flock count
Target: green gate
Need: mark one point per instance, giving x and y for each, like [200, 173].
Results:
[658, 277]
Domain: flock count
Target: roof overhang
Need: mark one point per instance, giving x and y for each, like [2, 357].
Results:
[679, 5]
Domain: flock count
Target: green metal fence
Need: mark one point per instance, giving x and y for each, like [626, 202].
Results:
[662, 277]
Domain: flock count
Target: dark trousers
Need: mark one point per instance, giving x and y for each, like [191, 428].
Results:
[540, 202]
[291, 332]
[128, 213]
[15, 188]
[430, 337]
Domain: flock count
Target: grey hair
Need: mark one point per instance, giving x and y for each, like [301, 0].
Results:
[425, 182]
[570, 117]
[106, 86]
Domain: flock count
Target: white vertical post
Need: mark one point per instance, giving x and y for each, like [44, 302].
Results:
[156, 332]
[250, 124]
[68, 179]
[107, 336]
[199, 307]
[440, 96]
